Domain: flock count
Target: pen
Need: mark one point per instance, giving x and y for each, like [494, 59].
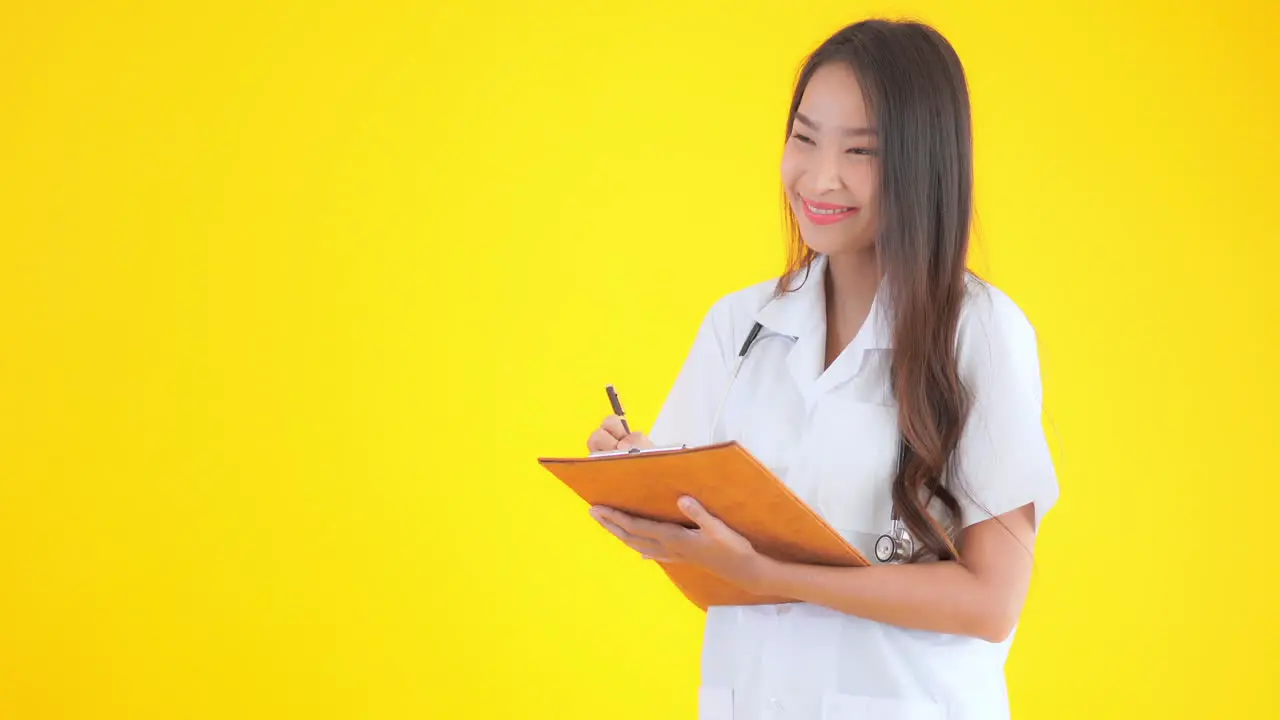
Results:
[617, 407]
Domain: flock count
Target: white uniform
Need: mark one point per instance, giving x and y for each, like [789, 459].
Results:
[831, 436]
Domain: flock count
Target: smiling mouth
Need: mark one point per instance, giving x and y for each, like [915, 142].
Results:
[826, 213]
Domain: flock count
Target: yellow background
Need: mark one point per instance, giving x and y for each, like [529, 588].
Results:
[293, 294]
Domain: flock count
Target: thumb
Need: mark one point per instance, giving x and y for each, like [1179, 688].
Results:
[693, 510]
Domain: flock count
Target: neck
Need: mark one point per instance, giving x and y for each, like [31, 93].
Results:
[852, 281]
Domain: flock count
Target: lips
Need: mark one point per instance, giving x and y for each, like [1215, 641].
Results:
[820, 213]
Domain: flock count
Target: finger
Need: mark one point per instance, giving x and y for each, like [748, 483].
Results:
[601, 441]
[708, 525]
[660, 531]
[613, 425]
[635, 440]
[693, 510]
[644, 546]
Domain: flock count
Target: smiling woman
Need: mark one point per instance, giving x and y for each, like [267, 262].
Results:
[896, 393]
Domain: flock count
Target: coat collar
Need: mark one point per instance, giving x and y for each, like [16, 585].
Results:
[802, 310]
[801, 314]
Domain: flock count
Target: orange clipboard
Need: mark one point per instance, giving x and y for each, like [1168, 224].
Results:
[732, 485]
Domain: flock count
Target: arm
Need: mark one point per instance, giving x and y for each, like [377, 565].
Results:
[980, 596]
[1009, 485]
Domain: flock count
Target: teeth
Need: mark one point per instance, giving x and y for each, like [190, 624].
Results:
[817, 211]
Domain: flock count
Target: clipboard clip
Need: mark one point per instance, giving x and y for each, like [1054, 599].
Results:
[638, 451]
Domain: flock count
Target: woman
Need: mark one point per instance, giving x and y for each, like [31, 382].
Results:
[884, 384]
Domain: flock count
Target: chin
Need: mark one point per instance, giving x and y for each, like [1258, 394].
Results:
[831, 243]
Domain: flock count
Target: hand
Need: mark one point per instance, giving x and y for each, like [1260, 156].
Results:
[712, 545]
[611, 436]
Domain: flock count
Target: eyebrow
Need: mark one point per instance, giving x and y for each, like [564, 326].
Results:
[804, 120]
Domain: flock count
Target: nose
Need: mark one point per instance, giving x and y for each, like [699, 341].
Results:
[826, 172]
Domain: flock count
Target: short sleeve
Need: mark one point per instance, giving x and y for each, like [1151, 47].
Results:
[689, 410]
[1003, 459]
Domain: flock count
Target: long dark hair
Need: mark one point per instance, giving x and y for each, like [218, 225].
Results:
[915, 89]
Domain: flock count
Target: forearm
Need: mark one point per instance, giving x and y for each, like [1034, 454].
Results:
[943, 597]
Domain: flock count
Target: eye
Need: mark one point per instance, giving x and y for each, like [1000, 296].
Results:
[802, 138]
[861, 151]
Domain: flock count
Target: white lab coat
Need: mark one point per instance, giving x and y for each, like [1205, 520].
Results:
[831, 437]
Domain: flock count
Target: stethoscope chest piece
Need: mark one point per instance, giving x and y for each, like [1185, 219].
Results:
[895, 546]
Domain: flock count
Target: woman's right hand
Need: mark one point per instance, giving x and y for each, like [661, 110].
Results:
[610, 436]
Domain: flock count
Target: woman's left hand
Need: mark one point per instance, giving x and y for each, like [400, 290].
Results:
[712, 545]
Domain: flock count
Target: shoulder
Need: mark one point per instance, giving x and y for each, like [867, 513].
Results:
[741, 305]
[994, 333]
[729, 318]
[987, 307]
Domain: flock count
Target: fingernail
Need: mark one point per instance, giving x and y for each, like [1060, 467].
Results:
[686, 502]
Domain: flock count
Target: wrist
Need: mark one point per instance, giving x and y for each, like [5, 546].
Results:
[764, 576]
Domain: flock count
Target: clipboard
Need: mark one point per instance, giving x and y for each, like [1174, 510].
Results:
[732, 485]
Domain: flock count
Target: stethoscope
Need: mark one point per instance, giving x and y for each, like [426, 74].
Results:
[737, 368]
[895, 546]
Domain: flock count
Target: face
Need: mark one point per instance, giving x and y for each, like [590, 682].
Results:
[829, 166]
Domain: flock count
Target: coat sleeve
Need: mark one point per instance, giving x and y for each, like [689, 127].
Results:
[689, 410]
[1003, 460]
